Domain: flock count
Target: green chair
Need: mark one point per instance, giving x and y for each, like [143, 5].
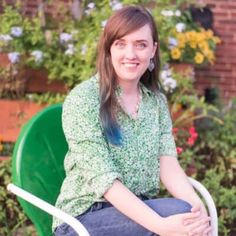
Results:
[38, 172]
[38, 163]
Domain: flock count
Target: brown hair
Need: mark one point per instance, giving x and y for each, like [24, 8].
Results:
[121, 23]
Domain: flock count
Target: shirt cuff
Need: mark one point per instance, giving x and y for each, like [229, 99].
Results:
[101, 184]
[167, 146]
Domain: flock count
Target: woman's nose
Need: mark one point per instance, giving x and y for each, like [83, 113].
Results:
[130, 52]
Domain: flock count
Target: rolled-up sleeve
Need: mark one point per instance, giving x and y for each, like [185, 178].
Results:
[88, 155]
[167, 143]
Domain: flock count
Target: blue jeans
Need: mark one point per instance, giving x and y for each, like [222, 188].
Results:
[102, 219]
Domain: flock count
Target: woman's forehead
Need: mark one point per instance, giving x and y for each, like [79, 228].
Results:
[140, 34]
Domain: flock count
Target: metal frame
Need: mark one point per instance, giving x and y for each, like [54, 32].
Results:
[209, 203]
[81, 230]
[50, 209]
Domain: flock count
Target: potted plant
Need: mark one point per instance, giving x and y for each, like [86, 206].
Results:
[22, 46]
[184, 43]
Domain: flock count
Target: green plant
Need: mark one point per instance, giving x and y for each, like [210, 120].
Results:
[186, 105]
[46, 98]
[194, 46]
[22, 40]
[181, 39]
[21, 37]
[12, 219]
[6, 148]
[215, 159]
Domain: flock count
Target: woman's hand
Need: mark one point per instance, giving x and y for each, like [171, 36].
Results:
[187, 224]
[204, 229]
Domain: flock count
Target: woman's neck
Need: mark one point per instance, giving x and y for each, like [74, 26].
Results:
[129, 88]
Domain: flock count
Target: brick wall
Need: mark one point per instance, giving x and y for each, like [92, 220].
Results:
[222, 75]
[31, 6]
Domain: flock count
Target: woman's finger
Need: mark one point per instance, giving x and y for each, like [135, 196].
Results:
[195, 208]
[208, 231]
[191, 215]
[199, 227]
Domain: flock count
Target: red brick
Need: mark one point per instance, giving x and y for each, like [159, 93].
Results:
[227, 6]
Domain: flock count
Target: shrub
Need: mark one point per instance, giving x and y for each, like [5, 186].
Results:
[181, 39]
[215, 158]
[12, 218]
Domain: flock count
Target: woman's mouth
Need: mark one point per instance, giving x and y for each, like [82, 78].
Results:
[130, 65]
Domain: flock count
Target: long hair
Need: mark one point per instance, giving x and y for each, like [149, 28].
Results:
[121, 23]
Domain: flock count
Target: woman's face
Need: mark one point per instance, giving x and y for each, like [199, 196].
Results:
[131, 54]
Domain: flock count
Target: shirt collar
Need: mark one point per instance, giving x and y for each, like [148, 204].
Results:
[144, 89]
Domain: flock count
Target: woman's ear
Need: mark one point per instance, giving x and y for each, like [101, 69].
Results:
[154, 49]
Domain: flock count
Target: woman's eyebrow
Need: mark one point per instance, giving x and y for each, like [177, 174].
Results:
[136, 41]
[141, 40]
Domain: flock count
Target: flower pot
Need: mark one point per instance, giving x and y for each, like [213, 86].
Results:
[183, 68]
[4, 61]
[26, 80]
[37, 82]
[13, 114]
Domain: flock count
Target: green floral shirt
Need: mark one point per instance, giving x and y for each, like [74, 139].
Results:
[92, 164]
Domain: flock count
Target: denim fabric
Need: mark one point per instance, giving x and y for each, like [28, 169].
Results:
[102, 219]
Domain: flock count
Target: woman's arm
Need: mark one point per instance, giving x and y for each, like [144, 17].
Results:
[131, 206]
[175, 180]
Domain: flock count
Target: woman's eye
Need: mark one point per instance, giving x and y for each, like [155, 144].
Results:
[120, 44]
[141, 45]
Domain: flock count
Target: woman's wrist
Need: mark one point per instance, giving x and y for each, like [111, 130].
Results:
[160, 226]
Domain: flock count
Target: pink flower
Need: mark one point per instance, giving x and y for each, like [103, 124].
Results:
[179, 150]
[192, 130]
[191, 141]
[175, 130]
[193, 136]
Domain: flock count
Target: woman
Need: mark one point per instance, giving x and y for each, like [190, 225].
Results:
[118, 130]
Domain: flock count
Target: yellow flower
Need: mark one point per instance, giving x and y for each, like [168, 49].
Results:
[181, 40]
[181, 44]
[193, 44]
[203, 46]
[190, 35]
[209, 34]
[1, 147]
[175, 53]
[198, 37]
[216, 40]
[210, 56]
[199, 58]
